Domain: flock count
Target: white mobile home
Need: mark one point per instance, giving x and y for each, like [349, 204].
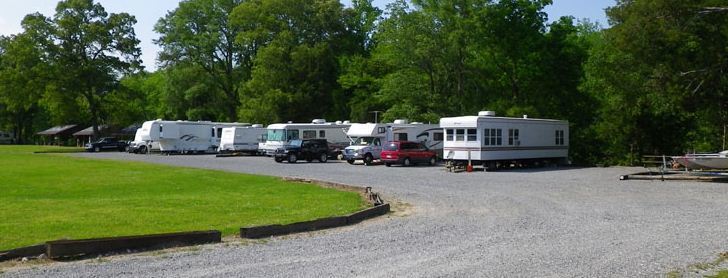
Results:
[368, 138]
[279, 135]
[242, 139]
[487, 140]
[183, 136]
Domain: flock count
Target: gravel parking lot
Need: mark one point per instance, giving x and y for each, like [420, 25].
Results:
[534, 223]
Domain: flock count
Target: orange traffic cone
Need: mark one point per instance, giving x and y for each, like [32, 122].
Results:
[469, 168]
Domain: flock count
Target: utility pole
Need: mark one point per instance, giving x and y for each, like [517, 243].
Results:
[376, 116]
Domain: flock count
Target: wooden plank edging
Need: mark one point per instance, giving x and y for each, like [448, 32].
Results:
[27, 251]
[313, 225]
[96, 246]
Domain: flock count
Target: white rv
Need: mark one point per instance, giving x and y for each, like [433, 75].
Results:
[368, 138]
[279, 135]
[183, 136]
[242, 139]
[146, 139]
[489, 140]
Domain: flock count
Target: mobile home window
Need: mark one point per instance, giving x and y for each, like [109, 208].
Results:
[472, 136]
[512, 137]
[401, 136]
[309, 134]
[381, 130]
[559, 137]
[437, 136]
[492, 137]
[448, 134]
[459, 135]
[322, 133]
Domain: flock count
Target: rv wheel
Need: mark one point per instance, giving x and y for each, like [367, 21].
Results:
[323, 157]
[142, 150]
[368, 159]
[292, 158]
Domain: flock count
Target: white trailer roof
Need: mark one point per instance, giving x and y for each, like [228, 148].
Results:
[472, 121]
[308, 125]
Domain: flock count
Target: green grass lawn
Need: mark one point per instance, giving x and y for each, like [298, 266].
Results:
[53, 196]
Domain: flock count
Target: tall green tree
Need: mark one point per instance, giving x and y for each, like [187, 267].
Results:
[89, 50]
[296, 67]
[660, 75]
[23, 75]
[199, 34]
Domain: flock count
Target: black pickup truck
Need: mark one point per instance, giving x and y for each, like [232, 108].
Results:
[303, 149]
[105, 144]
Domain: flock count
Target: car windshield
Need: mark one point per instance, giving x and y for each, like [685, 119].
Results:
[276, 135]
[364, 141]
[390, 147]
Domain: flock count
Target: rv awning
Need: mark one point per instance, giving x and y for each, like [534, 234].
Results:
[56, 130]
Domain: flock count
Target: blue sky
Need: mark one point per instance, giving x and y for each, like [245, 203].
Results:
[147, 13]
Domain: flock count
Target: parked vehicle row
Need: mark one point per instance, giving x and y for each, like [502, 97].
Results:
[483, 139]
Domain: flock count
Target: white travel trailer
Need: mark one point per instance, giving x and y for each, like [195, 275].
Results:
[242, 139]
[279, 135]
[183, 136]
[368, 138]
[491, 141]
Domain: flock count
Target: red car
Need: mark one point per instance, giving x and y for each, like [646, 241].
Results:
[407, 153]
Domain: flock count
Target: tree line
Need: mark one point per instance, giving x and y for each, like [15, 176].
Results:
[653, 82]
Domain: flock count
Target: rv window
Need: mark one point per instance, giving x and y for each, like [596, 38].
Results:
[276, 135]
[560, 137]
[492, 137]
[401, 136]
[472, 135]
[219, 132]
[160, 128]
[437, 136]
[309, 134]
[213, 132]
[293, 134]
[322, 133]
[459, 135]
[449, 133]
[381, 130]
[513, 137]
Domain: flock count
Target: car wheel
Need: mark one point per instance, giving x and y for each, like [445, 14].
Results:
[292, 158]
[323, 157]
[368, 159]
[278, 159]
[350, 161]
[433, 161]
[388, 164]
[406, 161]
[97, 149]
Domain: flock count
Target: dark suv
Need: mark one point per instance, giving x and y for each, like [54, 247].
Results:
[303, 149]
[106, 143]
